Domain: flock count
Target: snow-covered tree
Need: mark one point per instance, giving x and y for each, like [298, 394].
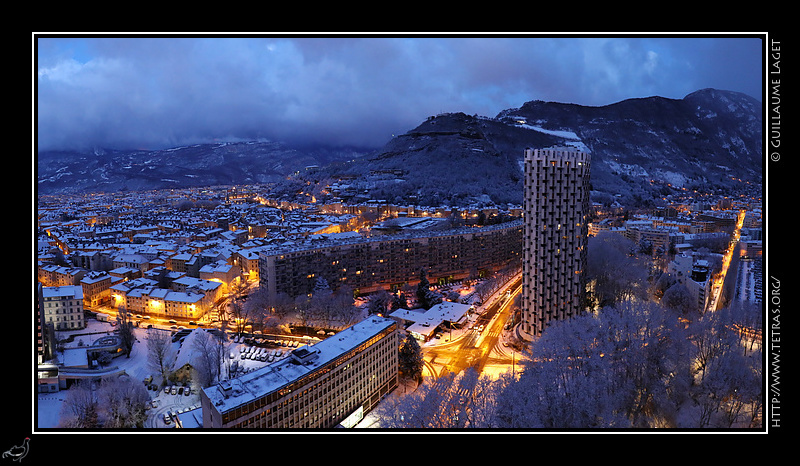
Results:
[80, 409]
[160, 354]
[410, 359]
[123, 402]
[614, 272]
[618, 368]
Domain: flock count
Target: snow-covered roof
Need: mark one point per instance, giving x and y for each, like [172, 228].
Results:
[229, 394]
[426, 322]
[64, 291]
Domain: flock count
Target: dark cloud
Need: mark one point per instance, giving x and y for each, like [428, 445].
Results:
[161, 92]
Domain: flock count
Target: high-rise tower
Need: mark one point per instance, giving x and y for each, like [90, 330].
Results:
[556, 206]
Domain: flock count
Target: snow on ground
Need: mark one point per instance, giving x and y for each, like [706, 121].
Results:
[48, 405]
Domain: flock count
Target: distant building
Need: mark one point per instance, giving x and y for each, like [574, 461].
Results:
[556, 203]
[330, 384]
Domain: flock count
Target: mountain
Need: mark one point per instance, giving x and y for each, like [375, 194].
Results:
[642, 149]
[448, 159]
[196, 165]
[701, 141]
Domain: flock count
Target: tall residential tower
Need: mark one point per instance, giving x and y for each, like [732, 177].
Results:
[556, 205]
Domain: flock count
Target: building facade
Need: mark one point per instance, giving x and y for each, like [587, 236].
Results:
[322, 386]
[390, 261]
[63, 307]
[556, 205]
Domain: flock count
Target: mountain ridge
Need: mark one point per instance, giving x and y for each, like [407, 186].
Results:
[641, 149]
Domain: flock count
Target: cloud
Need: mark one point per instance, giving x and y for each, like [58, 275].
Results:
[160, 92]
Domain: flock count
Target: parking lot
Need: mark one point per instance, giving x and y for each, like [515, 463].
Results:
[169, 401]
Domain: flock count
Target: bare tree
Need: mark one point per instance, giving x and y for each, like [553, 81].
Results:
[160, 354]
[80, 409]
[124, 402]
[240, 316]
[210, 356]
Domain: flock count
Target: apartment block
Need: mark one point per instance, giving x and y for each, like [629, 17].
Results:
[329, 384]
[62, 307]
[556, 205]
[390, 261]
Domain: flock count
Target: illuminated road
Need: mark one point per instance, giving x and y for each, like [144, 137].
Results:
[718, 284]
[475, 347]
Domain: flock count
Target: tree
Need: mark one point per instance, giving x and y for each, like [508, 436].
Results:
[425, 297]
[399, 301]
[124, 402]
[160, 354]
[679, 299]
[464, 400]
[210, 354]
[378, 302]
[80, 409]
[613, 270]
[410, 359]
[624, 367]
[125, 331]
[240, 315]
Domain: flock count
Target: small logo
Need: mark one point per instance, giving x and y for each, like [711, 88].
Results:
[17, 452]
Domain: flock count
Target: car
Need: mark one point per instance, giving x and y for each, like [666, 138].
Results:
[154, 403]
[180, 390]
[188, 391]
[174, 391]
[167, 388]
[167, 419]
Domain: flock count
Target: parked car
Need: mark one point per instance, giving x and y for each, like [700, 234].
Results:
[167, 418]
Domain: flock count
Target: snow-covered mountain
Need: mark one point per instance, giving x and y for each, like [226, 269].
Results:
[641, 149]
[196, 165]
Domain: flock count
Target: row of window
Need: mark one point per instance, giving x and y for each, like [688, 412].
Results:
[325, 396]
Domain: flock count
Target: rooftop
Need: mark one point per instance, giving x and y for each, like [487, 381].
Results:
[228, 394]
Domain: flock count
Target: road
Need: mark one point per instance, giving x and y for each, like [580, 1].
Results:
[719, 283]
[477, 346]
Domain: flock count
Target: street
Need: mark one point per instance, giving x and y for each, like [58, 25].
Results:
[477, 347]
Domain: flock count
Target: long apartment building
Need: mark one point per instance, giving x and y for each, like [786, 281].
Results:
[556, 205]
[332, 383]
[368, 264]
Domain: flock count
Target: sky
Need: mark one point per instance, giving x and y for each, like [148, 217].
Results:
[139, 92]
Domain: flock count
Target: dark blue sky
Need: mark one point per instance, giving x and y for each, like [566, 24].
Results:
[138, 92]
